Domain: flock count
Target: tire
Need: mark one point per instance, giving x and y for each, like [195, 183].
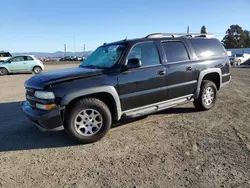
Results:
[3, 71]
[79, 115]
[206, 100]
[238, 62]
[37, 70]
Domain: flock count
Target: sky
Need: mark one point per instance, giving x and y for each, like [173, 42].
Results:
[46, 25]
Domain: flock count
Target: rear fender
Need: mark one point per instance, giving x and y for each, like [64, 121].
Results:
[202, 75]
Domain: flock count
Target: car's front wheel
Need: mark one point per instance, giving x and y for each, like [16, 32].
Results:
[88, 120]
[207, 97]
[3, 71]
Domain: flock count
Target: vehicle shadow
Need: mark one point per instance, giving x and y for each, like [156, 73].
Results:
[17, 133]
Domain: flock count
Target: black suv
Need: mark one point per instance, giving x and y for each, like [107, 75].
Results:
[128, 78]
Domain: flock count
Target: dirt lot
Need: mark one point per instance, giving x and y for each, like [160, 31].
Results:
[174, 148]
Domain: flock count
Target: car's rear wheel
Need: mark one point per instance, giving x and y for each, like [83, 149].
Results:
[37, 70]
[3, 71]
[207, 97]
[88, 120]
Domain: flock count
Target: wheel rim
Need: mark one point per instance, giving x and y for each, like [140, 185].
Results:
[37, 70]
[2, 71]
[88, 122]
[208, 96]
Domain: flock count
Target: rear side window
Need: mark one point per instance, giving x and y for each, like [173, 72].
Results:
[205, 48]
[28, 58]
[175, 51]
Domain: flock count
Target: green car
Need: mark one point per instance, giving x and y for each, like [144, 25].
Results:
[21, 64]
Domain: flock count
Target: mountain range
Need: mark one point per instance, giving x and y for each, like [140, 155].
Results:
[53, 54]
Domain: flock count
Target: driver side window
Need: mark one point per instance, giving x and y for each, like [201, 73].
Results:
[17, 59]
[146, 52]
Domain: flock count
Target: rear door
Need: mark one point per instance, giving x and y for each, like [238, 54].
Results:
[144, 85]
[181, 77]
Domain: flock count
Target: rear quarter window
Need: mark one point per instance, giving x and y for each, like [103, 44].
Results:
[205, 48]
[28, 58]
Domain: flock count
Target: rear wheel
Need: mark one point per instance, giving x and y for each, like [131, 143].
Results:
[3, 71]
[88, 120]
[37, 70]
[207, 97]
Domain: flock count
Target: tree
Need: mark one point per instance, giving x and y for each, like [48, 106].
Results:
[236, 37]
[203, 30]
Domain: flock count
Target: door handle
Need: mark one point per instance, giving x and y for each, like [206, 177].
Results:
[161, 72]
[24, 63]
[189, 68]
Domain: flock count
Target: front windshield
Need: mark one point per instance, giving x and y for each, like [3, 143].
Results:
[104, 56]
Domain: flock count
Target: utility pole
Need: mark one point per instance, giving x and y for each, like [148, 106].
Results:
[188, 30]
[75, 45]
[65, 49]
[83, 50]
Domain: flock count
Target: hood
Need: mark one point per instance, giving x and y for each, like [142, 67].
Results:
[53, 77]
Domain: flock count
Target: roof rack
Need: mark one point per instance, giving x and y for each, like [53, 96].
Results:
[174, 35]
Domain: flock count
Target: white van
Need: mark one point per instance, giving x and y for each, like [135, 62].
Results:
[4, 55]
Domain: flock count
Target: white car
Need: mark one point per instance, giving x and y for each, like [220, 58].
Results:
[241, 58]
[4, 55]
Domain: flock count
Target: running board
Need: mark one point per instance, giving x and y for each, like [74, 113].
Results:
[156, 107]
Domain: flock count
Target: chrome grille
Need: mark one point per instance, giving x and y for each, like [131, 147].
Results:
[30, 92]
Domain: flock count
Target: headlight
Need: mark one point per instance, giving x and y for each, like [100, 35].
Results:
[44, 95]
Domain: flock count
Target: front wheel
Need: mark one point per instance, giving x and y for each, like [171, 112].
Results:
[3, 71]
[88, 120]
[238, 62]
[207, 97]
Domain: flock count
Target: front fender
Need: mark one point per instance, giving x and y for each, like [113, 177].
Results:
[84, 92]
[4, 66]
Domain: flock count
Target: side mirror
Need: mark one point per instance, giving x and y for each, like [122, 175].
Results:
[133, 63]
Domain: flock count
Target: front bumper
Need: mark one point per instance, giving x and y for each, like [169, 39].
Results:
[45, 120]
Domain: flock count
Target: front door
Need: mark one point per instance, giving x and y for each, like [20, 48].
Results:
[17, 64]
[144, 85]
[181, 75]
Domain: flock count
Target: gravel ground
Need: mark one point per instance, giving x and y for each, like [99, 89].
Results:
[179, 147]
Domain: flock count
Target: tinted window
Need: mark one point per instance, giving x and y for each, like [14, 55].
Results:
[16, 59]
[207, 47]
[146, 52]
[239, 55]
[175, 51]
[5, 54]
[28, 58]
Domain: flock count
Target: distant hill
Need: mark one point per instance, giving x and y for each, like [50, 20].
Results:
[53, 54]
